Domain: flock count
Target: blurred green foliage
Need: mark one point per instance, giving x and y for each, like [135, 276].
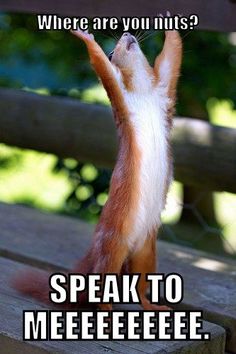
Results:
[59, 62]
[54, 62]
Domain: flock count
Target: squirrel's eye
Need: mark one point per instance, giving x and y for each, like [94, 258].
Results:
[110, 55]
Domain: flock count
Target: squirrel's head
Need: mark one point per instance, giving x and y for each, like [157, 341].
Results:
[130, 60]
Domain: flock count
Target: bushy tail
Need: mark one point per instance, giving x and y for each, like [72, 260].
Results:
[33, 284]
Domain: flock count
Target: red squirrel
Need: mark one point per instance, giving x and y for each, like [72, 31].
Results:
[142, 99]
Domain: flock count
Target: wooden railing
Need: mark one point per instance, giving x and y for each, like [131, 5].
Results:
[204, 154]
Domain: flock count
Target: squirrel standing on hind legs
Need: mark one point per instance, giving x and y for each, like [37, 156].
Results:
[143, 100]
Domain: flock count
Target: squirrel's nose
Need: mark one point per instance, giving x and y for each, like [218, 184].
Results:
[126, 34]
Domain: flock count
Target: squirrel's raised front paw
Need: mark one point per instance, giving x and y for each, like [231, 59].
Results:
[167, 14]
[84, 35]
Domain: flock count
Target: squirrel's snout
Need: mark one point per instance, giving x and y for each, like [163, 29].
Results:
[126, 34]
[129, 39]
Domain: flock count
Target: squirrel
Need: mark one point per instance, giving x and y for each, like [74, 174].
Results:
[143, 100]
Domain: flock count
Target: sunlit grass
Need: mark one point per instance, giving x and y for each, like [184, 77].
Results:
[28, 177]
[84, 192]
[95, 94]
[221, 112]
[89, 172]
[173, 208]
[31, 180]
[102, 198]
[225, 205]
[40, 91]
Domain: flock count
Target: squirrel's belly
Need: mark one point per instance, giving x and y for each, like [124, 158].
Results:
[151, 202]
[153, 181]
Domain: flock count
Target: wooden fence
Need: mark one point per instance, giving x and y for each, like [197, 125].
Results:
[204, 154]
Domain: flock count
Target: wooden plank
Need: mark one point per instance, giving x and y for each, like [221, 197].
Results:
[209, 282]
[70, 129]
[47, 241]
[59, 240]
[37, 238]
[63, 126]
[12, 305]
[199, 146]
[213, 15]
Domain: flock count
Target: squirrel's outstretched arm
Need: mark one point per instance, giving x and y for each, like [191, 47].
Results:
[168, 62]
[105, 71]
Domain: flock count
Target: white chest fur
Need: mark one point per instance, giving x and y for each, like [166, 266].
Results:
[148, 117]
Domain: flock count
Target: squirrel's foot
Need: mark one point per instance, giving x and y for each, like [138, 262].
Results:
[105, 307]
[147, 306]
[167, 14]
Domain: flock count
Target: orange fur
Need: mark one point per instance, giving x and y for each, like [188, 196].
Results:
[127, 78]
[145, 259]
[173, 51]
[109, 252]
[102, 66]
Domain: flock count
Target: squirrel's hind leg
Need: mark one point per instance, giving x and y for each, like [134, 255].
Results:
[144, 262]
[113, 255]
